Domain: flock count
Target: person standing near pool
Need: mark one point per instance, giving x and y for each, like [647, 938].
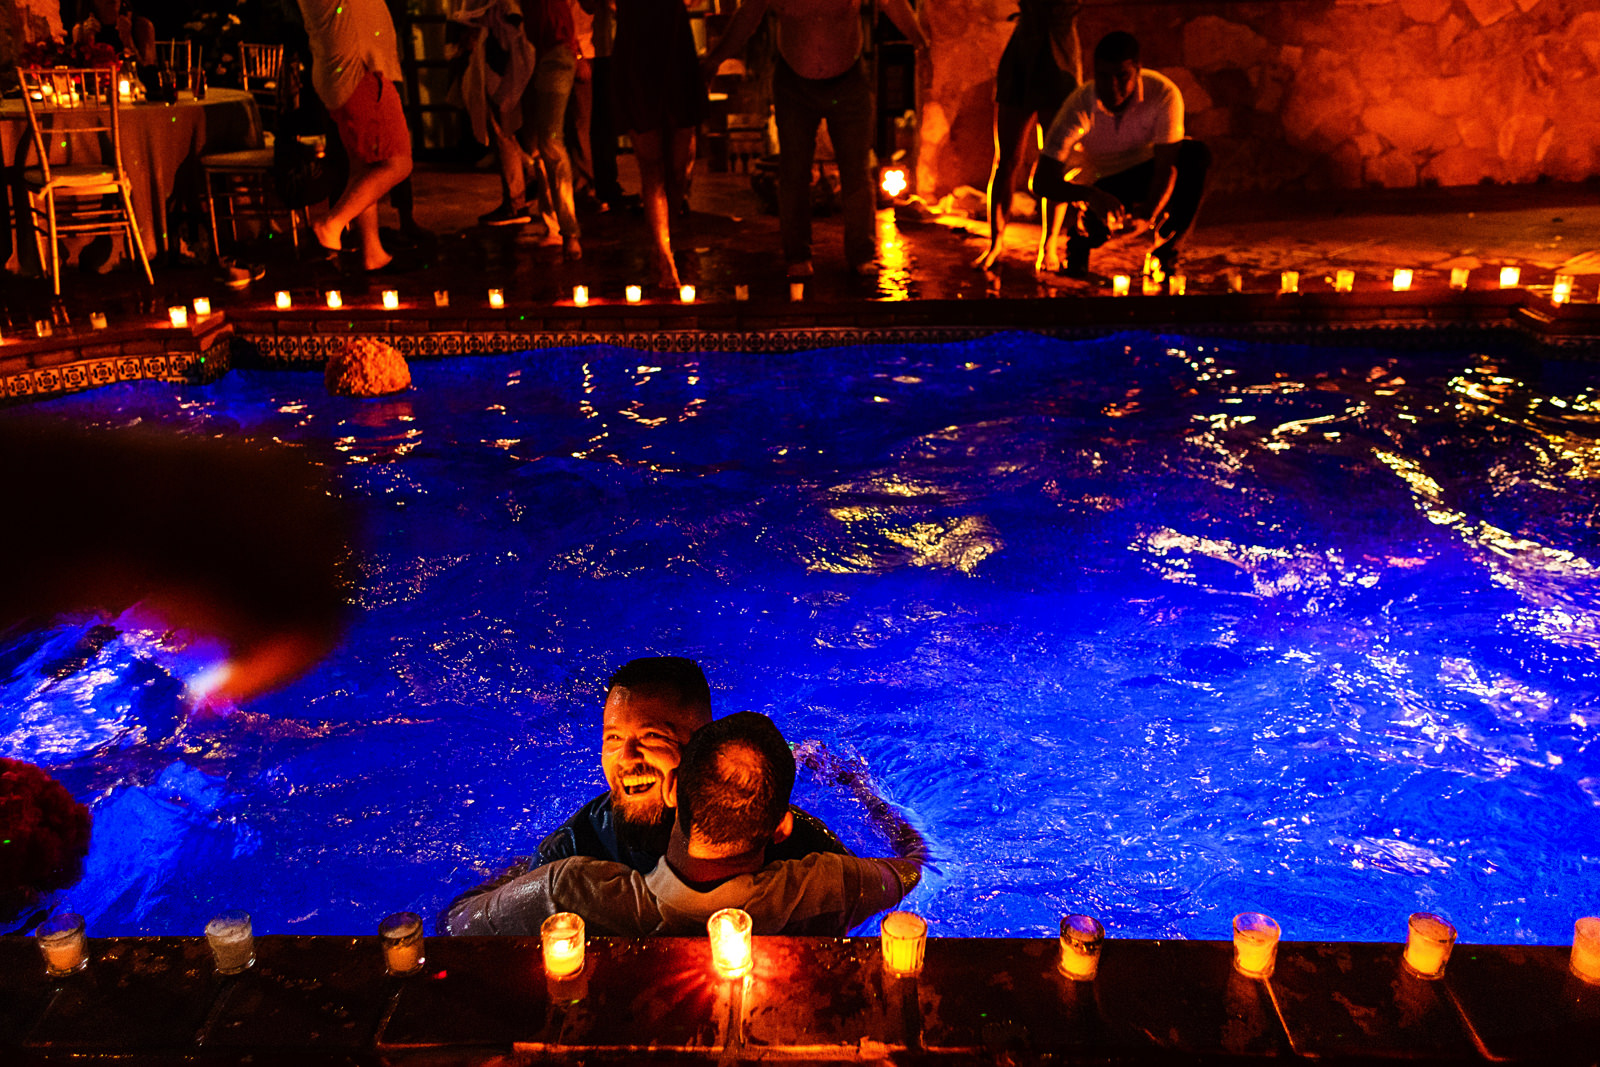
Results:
[355, 67]
[653, 705]
[730, 794]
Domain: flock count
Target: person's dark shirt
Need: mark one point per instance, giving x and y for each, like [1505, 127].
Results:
[592, 831]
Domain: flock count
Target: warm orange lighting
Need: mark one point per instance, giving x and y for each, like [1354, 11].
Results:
[1429, 940]
[580, 295]
[904, 939]
[686, 294]
[1289, 281]
[334, 299]
[1402, 279]
[1344, 281]
[729, 930]
[741, 292]
[391, 299]
[97, 320]
[797, 292]
[283, 299]
[1459, 276]
[1510, 277]
[441, 298]
[1119, 284]
[1082, 937]
[202, 306]
[1561, 292]
[1585, 961]
[562, 938]
[1177, 285]
[178, 315]
[497, 298]
[895, 181]
[634, 293]
[124, 90]
[1255, 944]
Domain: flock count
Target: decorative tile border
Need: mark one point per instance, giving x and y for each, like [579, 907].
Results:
[39, 382]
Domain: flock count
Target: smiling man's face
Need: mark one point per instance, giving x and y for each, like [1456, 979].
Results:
[640, 743]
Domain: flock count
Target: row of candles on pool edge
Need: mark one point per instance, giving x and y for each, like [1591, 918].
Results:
[633, 294]
[1344, 281]
[903, 939]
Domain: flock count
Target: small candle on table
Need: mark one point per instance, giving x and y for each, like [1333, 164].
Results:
[634, 293]
[1255, 944]
[1428, 942]
[335, 300]
[62, 944]
[797, 292]
[401, 937]
[1344, 281]
[1586, 949]
[202, 306]
[43, 328]
[283, 299]
[729, 930]
[497, 298]
[1119, 284]
[1177, 284]
[741, 292]
[580, 295]
[686, 294]
[441, 298]
[97, 320]
[391, 299]
[904, 938]
[178, 315]
[1561, 292]
[1402, 279]
[1459, 276]
[561, 936]
[1289, 281]
[1082, 937]
[1510, 277]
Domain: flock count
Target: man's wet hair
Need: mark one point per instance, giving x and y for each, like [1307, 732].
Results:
[674, 678]
[1116, 47]
[734, 782]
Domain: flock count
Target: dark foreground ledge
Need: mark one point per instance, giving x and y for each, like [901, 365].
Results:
[480, 1000]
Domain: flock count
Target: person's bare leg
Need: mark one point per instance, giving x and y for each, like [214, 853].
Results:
[648, 148]
[1049, 256]
[368, 182]
[1010, 128]
[681, 166]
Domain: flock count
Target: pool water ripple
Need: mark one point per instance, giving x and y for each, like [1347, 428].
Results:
[1156, 628]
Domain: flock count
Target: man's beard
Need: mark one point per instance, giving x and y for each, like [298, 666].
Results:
[637, 831]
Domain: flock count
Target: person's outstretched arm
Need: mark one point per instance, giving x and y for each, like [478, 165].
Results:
[910, 848]
[743, 25]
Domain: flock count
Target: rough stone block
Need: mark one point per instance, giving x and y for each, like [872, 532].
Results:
[1459, 166]
[1429, 11]
[1195, 98]
[1447, 32]
[1409, 128]
[1488, 12]
[1211, 43]
[1393, 170]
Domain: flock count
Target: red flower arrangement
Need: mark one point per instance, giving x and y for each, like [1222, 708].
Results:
[44, 835]
[50, 52]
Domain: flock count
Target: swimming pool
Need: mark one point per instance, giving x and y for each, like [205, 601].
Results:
[1156, 628]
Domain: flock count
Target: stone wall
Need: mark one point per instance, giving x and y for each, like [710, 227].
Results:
[1316, 94]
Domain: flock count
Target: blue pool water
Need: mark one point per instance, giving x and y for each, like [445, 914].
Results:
[1156, 628]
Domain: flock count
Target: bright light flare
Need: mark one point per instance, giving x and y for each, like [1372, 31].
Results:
[895, 181]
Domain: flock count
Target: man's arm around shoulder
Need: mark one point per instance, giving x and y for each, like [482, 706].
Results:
[612, 898]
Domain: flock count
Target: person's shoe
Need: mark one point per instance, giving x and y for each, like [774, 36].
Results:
[236, 275]
[800, 269]
[571, 250]
[505, 215]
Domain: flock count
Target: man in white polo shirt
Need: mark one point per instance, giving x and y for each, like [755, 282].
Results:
[1117, 151]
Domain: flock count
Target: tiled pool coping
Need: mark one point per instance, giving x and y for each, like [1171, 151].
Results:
[325, 999]
[139, 347]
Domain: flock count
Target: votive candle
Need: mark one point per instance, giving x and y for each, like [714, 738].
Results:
[729, 930]
[1510, 277]
[1586, 949]
[97, 320]
[904, 938]
[1289, 281]
[1344, 281]
[441, 298]
[178, 315]
[1429, 939]
[1119, 284]
[124, 90]
[633, 293]
[1561, 292]
[562, 937]
[686, 294]
[1152, 285]
[1177, 285]
[797, 291]
[580, 295]
[400, 935]
[202, 306]
[1235, 281]
[1255, 944]
[1459, 276]
[63, 944]
[1402, 279]
[335, 300]
[741, 292]
[232, 941]
[497, 298]
[391, 299]
[1082, 937]
[283, 299]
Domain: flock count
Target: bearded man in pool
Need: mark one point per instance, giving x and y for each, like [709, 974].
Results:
[652, 706]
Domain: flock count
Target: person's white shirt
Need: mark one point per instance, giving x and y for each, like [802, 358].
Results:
[349, 40]
[1085, 134]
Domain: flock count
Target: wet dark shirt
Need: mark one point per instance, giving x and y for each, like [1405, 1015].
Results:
[592, 831]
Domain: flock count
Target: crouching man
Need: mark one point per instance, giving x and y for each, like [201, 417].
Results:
[731, 795]
[1116, 151]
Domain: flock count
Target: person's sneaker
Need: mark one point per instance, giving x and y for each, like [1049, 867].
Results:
[505, 215]
[800, 269]
[236, 275]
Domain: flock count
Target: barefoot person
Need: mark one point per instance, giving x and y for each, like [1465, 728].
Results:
[355, 65]
[1038, 70]
[820, 76]
[659, 100]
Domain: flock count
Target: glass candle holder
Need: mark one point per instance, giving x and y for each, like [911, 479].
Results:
[1459, 276]
[1082, 937]
[1586, 949]
[1119, 284]
[1402, 279]
[1429, 940]
[1344, 281]
[63, 944]
[686, 294]
[1289, 281]
[282, 299]
[904, 939]
[441, 298]
[1152, 285]
[1510, 277]
[797, 292]
[562, 938]
[580, 295]
[729, 930]
[497, 298]
[1235, 281]
[741, 292]
[391, 299]
[97, 320]
[634, 293]
[45, 328]
[1255, 944]
[400, 935]
[233, 943]
[335, 299]
[202, 306]
[1561, 292]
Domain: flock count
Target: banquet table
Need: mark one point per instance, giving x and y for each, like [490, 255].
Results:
[161, 148]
